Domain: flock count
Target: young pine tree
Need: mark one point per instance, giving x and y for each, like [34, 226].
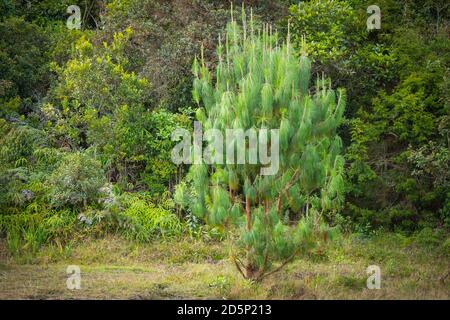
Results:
[260, 83]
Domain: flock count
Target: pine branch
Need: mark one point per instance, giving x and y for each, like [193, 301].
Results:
[286, 189]
[236, 262]
[262, 276]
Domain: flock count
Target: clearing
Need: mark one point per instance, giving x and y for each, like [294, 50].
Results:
[113, 268]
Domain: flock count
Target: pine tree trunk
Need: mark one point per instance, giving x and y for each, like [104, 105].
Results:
[247, 213]
[251, 273]
[279, 206]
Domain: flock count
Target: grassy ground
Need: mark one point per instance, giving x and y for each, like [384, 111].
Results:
[116, 269]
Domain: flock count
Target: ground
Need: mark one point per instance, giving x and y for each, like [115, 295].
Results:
[113, 268]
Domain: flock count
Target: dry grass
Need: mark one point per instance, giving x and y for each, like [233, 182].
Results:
[116, 269]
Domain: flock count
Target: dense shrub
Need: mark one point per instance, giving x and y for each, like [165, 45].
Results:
[77, 181]
[24, 60]
[27, 232]
[147, 220]
[26, 160]
[99, 102]
[168, 33]
[396, 79]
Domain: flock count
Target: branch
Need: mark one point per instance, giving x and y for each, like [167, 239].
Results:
[285, 190]
[262, 276]
[236, 260]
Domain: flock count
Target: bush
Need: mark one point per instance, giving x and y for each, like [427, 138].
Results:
[23, 59]
[28, 232]
[100, 102]
[428, 237]
[77, 181]
[396, 80]
[25, 162]
[147, 221]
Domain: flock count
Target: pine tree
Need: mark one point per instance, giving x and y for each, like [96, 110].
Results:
[260, 83]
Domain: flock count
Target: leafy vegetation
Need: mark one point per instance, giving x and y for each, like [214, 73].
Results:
[262, 85]
[86, 118]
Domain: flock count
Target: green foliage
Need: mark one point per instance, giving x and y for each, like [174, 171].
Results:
[27, 232]
[26, 160]
[24, 61]
[80, 108]
[260, 84]
[50, 12]
[397, 100]
[146, 220]
[167, 35]
[328, 28]
[96, 77]
[401, 140]
[429, 237]
[77, 181]
[100, 103]
[333, 34]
